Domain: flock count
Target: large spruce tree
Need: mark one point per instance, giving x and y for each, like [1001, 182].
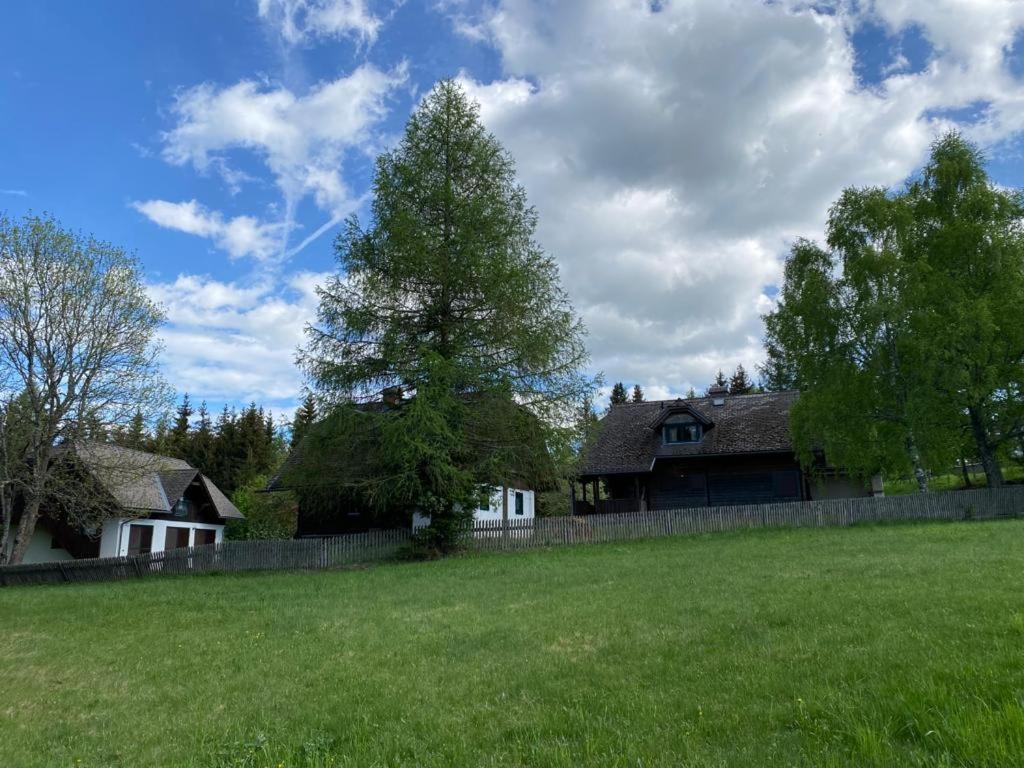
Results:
[446, 298]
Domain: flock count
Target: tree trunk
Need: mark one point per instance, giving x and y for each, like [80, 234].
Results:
[993, 472]
[26, 527]
[966, 474]
[6, 513]
[915, 460]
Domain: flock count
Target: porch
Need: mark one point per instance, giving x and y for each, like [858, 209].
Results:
[696, 482]
[594, 496]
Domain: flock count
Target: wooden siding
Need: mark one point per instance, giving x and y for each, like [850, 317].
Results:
[678, 492]
[708, 481]
[515, 534]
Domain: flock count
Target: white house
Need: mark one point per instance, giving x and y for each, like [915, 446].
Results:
[521, 505]
[156, 503]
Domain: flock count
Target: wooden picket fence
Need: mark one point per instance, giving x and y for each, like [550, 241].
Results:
[497, 535]
[227, 556]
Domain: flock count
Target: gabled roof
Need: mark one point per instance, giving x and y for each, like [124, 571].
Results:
[147, 482]
[629, 440]
[675, 407]
[225, 509]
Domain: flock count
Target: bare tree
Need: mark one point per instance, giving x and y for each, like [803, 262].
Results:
[77, 358]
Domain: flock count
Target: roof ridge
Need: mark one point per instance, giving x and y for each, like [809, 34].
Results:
[709, 397]
[126, 449]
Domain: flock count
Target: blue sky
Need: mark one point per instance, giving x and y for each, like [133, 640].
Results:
[673, 150]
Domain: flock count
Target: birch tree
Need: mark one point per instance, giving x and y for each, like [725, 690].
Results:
[77, 357]
[903, 333]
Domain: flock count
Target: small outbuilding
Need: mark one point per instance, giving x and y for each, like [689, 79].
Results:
[147, 502]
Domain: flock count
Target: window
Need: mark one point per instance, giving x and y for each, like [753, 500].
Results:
[140, 539]
[182, 507]
[176, 538]
[680, 429]
[483, 502]
[205, 536]
[520, 501]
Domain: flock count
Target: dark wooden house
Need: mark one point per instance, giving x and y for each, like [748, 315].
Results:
[326, 469]
[709, 451]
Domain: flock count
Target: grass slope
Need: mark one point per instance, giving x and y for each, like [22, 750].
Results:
[896, 645]
[952, 481]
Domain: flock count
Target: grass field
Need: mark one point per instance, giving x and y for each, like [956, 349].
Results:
[888, 645]
[953, 481]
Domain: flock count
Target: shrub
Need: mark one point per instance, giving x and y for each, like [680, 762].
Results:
[267, 515]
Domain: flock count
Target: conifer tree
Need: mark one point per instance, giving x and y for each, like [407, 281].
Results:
[134, 435]
[179, 435]
[740, 383]
[720, 381]
[200, 450]
[305, 416]
[447, 296]
[638, 394]
[618, 396]
[161, 441]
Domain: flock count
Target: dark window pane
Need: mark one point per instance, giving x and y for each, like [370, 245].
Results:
[140, 539]
[682, 433]
[205, 536]
[519, 502]
[176, 538]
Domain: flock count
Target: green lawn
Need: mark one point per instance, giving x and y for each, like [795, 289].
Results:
[954, 481]
[889, 645]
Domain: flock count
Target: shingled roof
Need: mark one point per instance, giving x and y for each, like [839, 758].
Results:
[628, 441]
[147, 482]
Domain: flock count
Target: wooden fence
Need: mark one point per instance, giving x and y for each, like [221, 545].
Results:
[496, 535]
[228, 556]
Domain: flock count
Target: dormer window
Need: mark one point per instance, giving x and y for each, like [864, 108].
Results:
[680, 428]
[181, 508]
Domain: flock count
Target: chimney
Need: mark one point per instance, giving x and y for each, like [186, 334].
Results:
[717, 394]
[392, 396]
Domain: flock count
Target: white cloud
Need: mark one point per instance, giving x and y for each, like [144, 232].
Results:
[299, 21]
[301, 139]
[236, 342]
[15, 192]
[464, 22]
[674, 154]
[239, 236]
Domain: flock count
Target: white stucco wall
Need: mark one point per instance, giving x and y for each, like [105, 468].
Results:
[494, 508]
[39, 550]
[114, 541]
